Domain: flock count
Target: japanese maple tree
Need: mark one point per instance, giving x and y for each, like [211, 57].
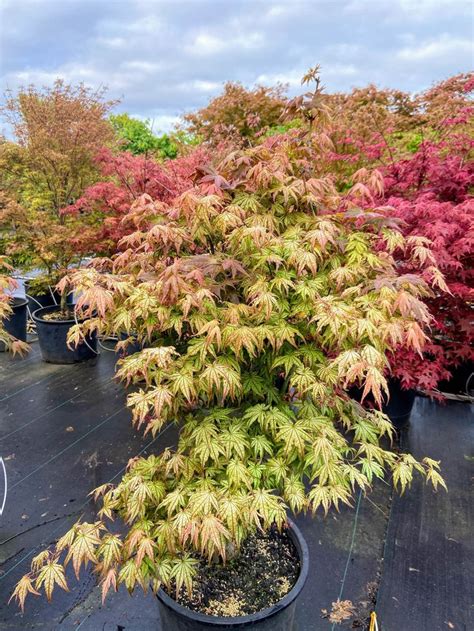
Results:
[51, 244]
[430, 190]
[238, 115]
[58, 131]
[423, 146]
[431, 193]
[260, 301]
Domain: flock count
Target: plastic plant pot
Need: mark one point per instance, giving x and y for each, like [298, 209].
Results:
[461, 380]
[15, 325]
[134, 346]
[279, 617]
[399, 406]
[52, 338]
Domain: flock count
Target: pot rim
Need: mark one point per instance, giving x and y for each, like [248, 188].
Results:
[303, 553]
[36, 315]
[18, 301]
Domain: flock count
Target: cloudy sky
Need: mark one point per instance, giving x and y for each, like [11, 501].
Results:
[163, 58]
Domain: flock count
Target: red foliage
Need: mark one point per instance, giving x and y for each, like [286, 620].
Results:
[126, 178]
[450, 227]
[431, 194]
[443, 169]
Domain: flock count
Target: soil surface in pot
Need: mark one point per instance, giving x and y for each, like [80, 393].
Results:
[262, 573]
[58, 316]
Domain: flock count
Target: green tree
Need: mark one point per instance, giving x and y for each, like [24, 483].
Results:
[137, 137]
[134, 135]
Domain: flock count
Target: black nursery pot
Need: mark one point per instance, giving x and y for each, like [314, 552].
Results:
[52, 338]
[133, 347]
[399, 406]
[15, 325]
[279, 617]
[461, 381]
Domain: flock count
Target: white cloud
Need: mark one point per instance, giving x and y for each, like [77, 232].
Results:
[144, 66]
[343, 50]
[437, 49]
[423, 8]
[165, 57]
[293, 78]
[112, 42]
[205, 86]
[278, 10]
[339, 70]
[164, 122]
[71, 73]
[148, 25]
[206, 44]
[416, 9]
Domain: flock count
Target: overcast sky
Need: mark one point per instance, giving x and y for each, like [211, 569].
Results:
[163, 58]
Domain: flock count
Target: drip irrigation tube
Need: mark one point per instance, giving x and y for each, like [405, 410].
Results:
[351, 547]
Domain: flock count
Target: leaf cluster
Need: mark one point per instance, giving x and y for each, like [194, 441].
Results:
[7, 285]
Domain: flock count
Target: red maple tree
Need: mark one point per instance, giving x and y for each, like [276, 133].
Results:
[125, 178]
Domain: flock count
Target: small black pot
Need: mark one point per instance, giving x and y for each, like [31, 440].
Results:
[15, 325]
[279, 617]
[399, 406]
[52, 337]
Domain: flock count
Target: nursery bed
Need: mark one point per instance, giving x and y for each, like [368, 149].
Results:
[65, 430]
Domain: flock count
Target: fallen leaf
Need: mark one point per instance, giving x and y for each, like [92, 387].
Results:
[341, 610]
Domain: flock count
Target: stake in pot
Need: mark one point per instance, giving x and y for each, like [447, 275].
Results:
[46, 298]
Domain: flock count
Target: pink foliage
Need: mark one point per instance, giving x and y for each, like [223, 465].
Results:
[125, 178]
[442, 169]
